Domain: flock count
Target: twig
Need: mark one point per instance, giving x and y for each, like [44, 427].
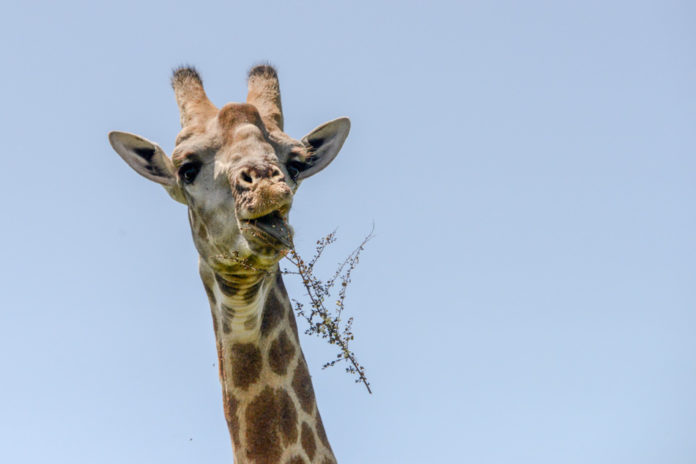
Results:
[321, 321]
[328, 325]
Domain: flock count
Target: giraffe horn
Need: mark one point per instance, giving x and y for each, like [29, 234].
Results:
[264, 94]
[194, 105]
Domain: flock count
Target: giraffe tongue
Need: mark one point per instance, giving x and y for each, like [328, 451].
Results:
[274, 225]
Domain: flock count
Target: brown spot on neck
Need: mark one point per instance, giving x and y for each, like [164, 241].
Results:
[273, 312]
[280, 354]
[231, 405]
[271, 421]
[262, 441]
[288, 417]
[302, 384]
[246, 363]
[307, 440]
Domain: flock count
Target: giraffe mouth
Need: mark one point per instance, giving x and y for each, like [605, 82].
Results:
[272, 228]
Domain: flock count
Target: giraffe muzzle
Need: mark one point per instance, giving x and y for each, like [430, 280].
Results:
[271, 228]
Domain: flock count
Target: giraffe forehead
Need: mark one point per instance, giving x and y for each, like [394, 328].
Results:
[235, 116]
[244, 135]
[241, 126]
[237, 126]
[236, 133]
[249, 142]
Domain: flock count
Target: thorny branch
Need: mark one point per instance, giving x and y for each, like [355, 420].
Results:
[322, 322]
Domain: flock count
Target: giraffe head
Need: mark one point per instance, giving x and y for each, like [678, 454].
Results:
[234, 168]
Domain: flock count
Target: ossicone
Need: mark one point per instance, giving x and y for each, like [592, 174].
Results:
[264, 94]
[194, 105]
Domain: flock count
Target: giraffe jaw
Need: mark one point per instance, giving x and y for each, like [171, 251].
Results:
[272, 228]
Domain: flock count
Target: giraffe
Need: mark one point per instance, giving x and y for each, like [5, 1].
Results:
[237, 171]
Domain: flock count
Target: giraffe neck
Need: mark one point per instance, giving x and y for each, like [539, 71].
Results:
[267, 391]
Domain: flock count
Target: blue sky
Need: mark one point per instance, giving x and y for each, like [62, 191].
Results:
[529, 296]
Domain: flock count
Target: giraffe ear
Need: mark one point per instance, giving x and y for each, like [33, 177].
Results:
[323, 143]
[147, 159]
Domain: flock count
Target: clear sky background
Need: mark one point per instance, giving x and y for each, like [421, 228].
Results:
[529, 296]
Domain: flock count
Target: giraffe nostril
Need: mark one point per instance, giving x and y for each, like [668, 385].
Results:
[246, 177]
[249, 176]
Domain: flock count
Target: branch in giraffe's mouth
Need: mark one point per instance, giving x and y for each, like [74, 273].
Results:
[272, 225]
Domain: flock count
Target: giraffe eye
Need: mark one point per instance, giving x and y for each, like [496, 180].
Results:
[294, 168]
[189, 171]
